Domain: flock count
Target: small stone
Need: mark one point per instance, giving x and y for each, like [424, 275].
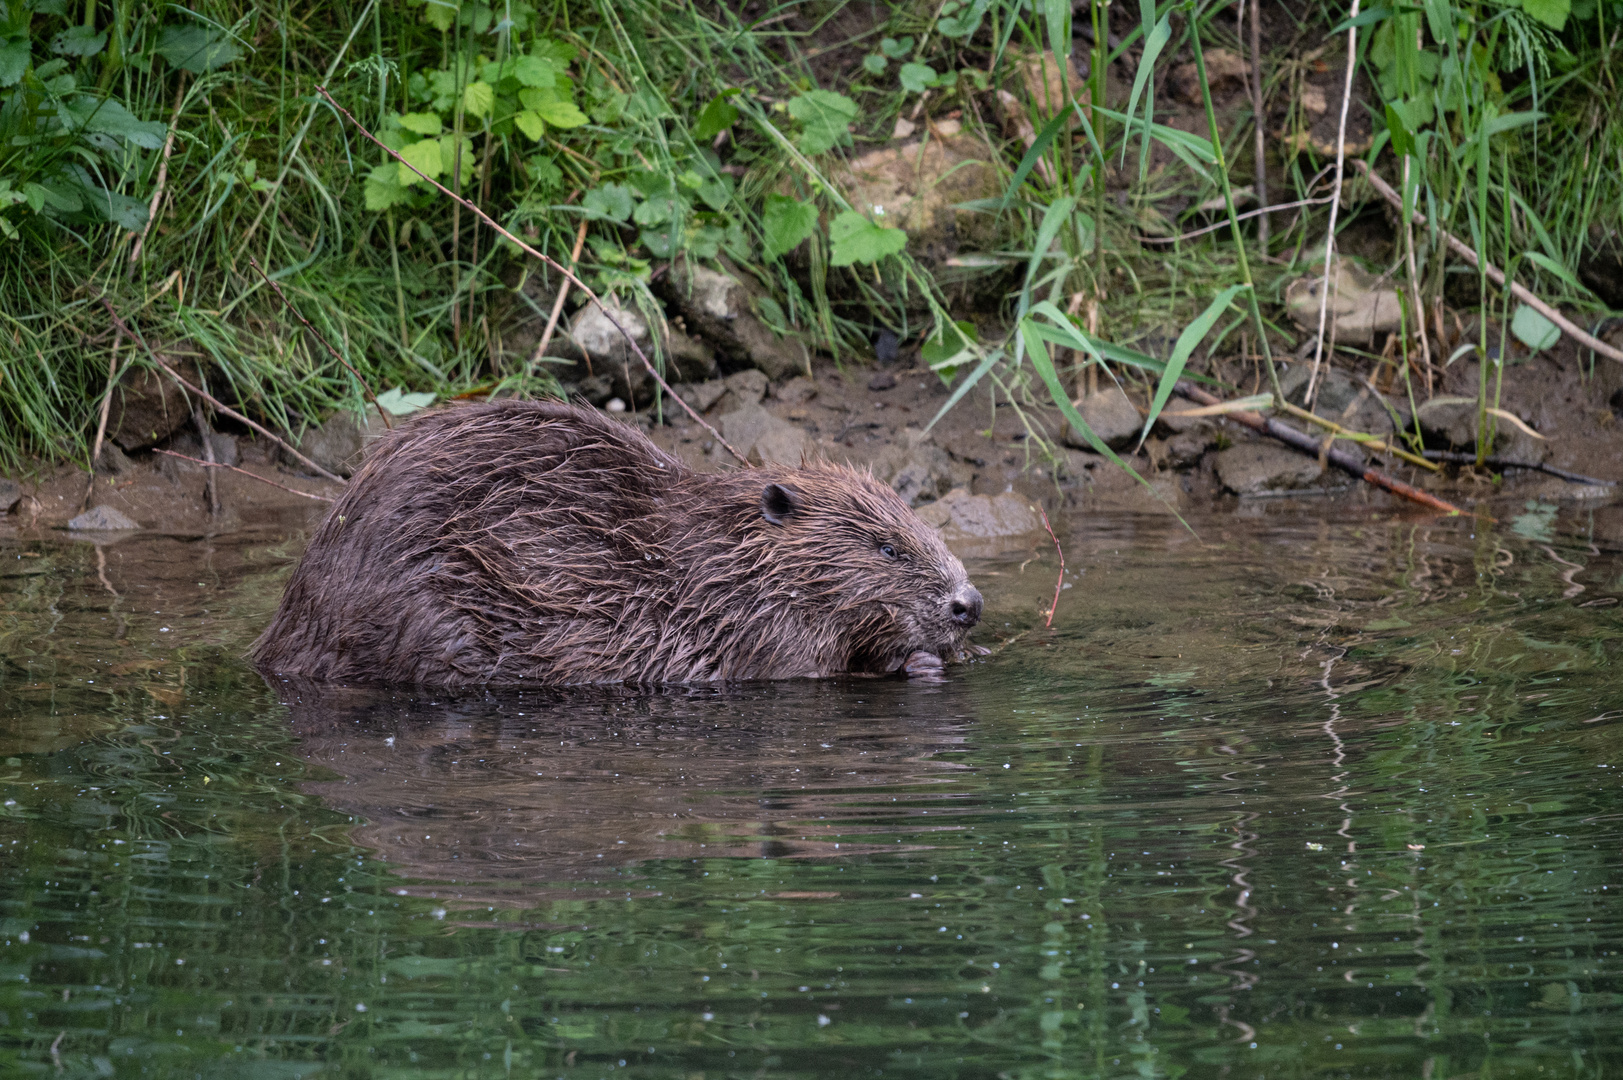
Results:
[225, 448]
[1112, 416]
[1361, 305]
[701, 395]
[595, 332]
[1256, 468]
[615, 405]
[101, 519]
[796, 391]
[883, 380]
[748, 386]
[335, 445]
[762, 437]
[964, 517]
[113, 460]
[11, 493]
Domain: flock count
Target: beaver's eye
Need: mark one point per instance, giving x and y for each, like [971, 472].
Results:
[888, 552]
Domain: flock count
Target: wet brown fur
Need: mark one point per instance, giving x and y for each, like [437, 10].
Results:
[522, 542]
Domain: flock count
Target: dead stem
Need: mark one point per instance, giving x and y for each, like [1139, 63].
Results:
[245, 472]
[1060, 584]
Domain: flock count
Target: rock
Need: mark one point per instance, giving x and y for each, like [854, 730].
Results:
[700, 396]
[148, 407]
[599, 338]
[917, 186]
[1112, 416]
[744, 388]
[762, 437]
[883, 380]
[11, 494]
[720, 308]
[1226, 73]
[1341, 398]
[1451, 424]
[796, 391]
[962, 516]
[918, 469]
[1361, 305]
[687, 359]
[101, 519]
[1255, 468]
[224, 447]
[1041, 73]
[113, 460]
[595, 390]
[335, 445]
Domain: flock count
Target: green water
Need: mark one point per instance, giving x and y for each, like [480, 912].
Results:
[1314, 795]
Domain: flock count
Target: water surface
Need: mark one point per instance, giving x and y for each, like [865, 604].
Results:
[1315, 794]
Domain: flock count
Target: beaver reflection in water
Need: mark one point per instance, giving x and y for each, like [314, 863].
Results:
[525, 542]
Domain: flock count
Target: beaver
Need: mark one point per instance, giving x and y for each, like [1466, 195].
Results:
[512, 543]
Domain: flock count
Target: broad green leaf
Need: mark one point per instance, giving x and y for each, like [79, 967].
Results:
[1402, 138]
[14, 57]
[529, 121]
[561, 114]
[853, 239]
[874, 64]
[196, 49]
[654, 211]
[440, 14]
[917, 78]
[786, 223]
[425, 157]
[382, 188]
[36, 196]
[1552, 13]
[478, 98]
[536, 72]
[120, 209]
[896, 49]
[611, 201]
[462, 169]
[950, 343]
[717, 191]
[423, 123]
[717, 117]
[823, 117]
[401, 403]
[79, 41]
[1533, 329]
[110, 117]
[963, 20]
[1192, 335]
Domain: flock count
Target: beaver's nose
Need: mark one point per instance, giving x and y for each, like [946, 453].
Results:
[966, 606]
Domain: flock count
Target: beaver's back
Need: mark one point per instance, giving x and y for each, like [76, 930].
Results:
[471, 534]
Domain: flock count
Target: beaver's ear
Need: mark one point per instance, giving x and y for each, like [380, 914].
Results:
[778, 503]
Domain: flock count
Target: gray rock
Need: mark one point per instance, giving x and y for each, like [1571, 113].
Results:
[148, 407]
[720, 308]
[1453, 425]
[1111, 415]
[335, 445]
[113, 460]
[225, 448]
[962, 516]
[762, 437]
[918, 469]
[796, 391]
[1341, 399]
[688, 359]
[1256, 468]
[599, 338]
[700, 396]
[10, 493]
[101, 519]
[747, 387]
[596, 389]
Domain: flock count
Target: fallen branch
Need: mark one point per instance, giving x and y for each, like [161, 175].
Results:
[388, 422]
[101, 425]
[1496, 275]
[1060, 584]
[550, 261]
[1307, 444]
[1455, 457]
[558, 306]
[1335, 204]
[245, 472]
[219, 405]
[1360, 438]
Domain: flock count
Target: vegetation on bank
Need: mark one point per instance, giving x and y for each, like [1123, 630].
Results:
[150, 153]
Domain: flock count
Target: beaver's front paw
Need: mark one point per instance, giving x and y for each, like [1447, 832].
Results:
[924, 665]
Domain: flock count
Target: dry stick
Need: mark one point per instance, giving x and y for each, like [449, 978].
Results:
[1358, 437]
[203, 432]
[558, 303]
[1455, 457]
[245, 472]
[1237, 217]
[1259, 148]
[219, 405]
[1335, 203]
[1496, 275]
[101, 425]
[1414, 286]
[1310, 446]
[1060, 584]
[550, 261]
[163, 176]
[280, 295]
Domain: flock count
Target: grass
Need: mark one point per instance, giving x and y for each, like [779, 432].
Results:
[671, 128]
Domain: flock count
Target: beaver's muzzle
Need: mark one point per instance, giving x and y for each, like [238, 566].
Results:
[965, 606]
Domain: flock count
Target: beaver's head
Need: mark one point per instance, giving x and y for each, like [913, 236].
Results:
[862, 560]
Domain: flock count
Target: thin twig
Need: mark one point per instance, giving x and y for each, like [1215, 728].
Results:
[101, 425]
[219, 405]
[163, 175]
[1455, 457]
[1307, 444]
[1257, 115]
[210, 489]
[245, 472]
[280, 295]
[1496, 275]
[1060, 584]
[558, 302]
[1335, 204]
[550, 261]
[1224, 223]
[1358, 437]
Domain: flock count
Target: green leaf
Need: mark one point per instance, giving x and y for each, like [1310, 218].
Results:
[1037, 149]
[478, 98]
[560, 114]
[440, 14]
[949, 343]
[855, 239]
[79, 41]
[1553, 267]
[426, 124]
[963, 20]
[1402, 138]
[529, 121]
[717, 116]
[14, 57]
[425, 156]
[1533, 329]
[655, 211]
[1153, 44]
[36, 196]
[917, 78]
[611, 201]
[874, 64]
[896, 49]
[823, 116]
[196, 49]
[110, 117]
[400, 403]
[786, 223]
[1192, 335]
[382, 188]
[717, 192]
[120, 209]
[536, 72]
[1552, 13]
